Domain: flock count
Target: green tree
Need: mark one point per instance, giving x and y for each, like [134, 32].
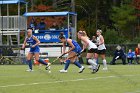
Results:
[124, 18]
[112, 37]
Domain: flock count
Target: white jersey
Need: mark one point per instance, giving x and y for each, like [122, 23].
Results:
[102, 46]
[90, 44]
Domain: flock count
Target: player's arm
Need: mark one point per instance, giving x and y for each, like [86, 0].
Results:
[71, 45]
[24, 43]
[64, 48]
[102, 40]
[85, 45]
[37, 41]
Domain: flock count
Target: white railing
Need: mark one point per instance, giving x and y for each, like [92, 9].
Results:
[12, 23]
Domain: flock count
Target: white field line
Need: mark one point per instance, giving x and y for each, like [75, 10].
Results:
[61, 81]
[138, 91]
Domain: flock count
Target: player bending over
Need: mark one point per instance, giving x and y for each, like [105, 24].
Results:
[34, 49]
[92, 48]
[72, 53]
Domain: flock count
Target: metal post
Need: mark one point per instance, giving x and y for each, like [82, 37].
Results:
[26, 7]
[73, 18]
[68, 24]
[26, 27]
[0, 27]
[0, 9]
[8, 36]
[18, 23]
[75, 37]
[96, 12]
[26, 19]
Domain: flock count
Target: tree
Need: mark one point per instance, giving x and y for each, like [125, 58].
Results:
[64, 5]
[124, 18]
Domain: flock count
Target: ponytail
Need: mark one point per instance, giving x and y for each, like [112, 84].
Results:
[61, 36]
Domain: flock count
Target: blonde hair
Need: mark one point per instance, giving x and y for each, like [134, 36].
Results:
[99, 30]
[83, 33]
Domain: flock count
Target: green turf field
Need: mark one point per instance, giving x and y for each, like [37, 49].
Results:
[118, 79]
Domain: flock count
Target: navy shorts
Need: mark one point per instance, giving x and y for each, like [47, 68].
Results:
[92, 50]
[101, 51]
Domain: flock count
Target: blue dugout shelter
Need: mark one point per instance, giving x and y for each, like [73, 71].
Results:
[52, 35]
[11, 24]
[11, 1]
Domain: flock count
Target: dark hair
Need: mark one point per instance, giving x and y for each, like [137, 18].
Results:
[61, 36]
[29, 28]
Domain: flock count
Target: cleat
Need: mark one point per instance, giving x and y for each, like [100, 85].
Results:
[48, 66]
[29, 70]
[94, 71]
[81, 69]
[98, 66]
[63, 71]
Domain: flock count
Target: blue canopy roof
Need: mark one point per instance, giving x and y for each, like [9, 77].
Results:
[48, 13]
[11, 1]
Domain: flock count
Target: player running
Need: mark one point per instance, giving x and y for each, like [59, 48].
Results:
[72, 53]
[92, 48]
[34, 49]
[101, 48]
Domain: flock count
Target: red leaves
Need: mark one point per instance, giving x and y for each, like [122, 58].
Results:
[136, 4]
[42, 8]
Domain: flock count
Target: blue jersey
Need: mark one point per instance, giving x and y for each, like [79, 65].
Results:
[131, 55]
[32, 42]
[77, 48]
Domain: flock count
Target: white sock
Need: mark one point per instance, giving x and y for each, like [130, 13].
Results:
[104, 63]
[93, 63]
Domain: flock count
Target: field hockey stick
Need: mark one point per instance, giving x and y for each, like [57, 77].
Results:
[57, 58]
[76, 55]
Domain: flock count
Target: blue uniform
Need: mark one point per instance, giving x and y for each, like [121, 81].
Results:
[131, 55]
[32, 42]
[77, 48]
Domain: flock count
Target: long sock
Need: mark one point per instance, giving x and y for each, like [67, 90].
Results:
[29, 64]
[93, 63]
[97, 60]
[42, 62]
[67, 64]
[77, 64]
[87, 61]
[104, 63]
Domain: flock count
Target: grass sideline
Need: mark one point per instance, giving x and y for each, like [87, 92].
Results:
[118, 79]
